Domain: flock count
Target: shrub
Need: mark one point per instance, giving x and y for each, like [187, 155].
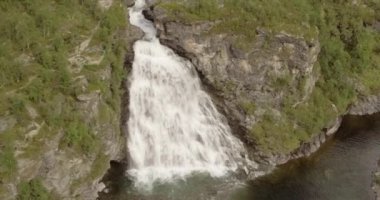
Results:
[33, 190]
[8, 162]
[79, 136]
[248, 107]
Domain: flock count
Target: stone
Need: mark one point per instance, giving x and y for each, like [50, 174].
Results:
[105, 4]
[7, 123]
[322, 138]
[334, 127]
[376, 25]
[35, 129]
[366, 106]
[32, 112]
[89, 96]
[130, 3]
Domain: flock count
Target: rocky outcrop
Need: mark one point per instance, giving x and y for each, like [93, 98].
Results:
[7, 123]
[366, 106]
[105, 4]
[63, 171]
[246, 83]
[262, 76]
[68, 170]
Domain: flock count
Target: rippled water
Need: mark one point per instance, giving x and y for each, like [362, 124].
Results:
[340, 170]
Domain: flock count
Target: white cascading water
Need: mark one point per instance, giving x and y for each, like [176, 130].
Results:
[174, 127]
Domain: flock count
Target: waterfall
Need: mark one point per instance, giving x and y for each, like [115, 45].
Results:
[174, 128]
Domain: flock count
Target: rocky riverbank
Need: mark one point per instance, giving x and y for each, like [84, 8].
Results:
[376, 184]
[366, 106]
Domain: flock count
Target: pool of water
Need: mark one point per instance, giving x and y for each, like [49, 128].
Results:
[340, 170]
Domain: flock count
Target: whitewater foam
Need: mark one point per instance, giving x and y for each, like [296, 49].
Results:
[174, 128]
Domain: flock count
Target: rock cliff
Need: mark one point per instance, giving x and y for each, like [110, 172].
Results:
[247, 84]
[60, 142]
[268, 80]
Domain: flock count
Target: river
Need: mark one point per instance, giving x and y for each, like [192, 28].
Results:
[340, 170]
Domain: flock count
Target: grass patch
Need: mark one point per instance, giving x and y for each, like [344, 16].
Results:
[8, 162]
[274, 135]
[248, 107]
[242, 17]
[33, 190]
[296, 124]
[78, 136]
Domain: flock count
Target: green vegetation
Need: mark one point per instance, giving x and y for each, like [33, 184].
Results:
[284, 133]
[97, 169]
[38, 147]
[7, 159]
[242, 17]
[248, 107]
[276, 132]
[79, 136]
[33, 190]
[39, 39]
[349, 57]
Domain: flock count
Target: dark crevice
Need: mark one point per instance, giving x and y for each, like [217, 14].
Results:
[115, 178]
[115, 181]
